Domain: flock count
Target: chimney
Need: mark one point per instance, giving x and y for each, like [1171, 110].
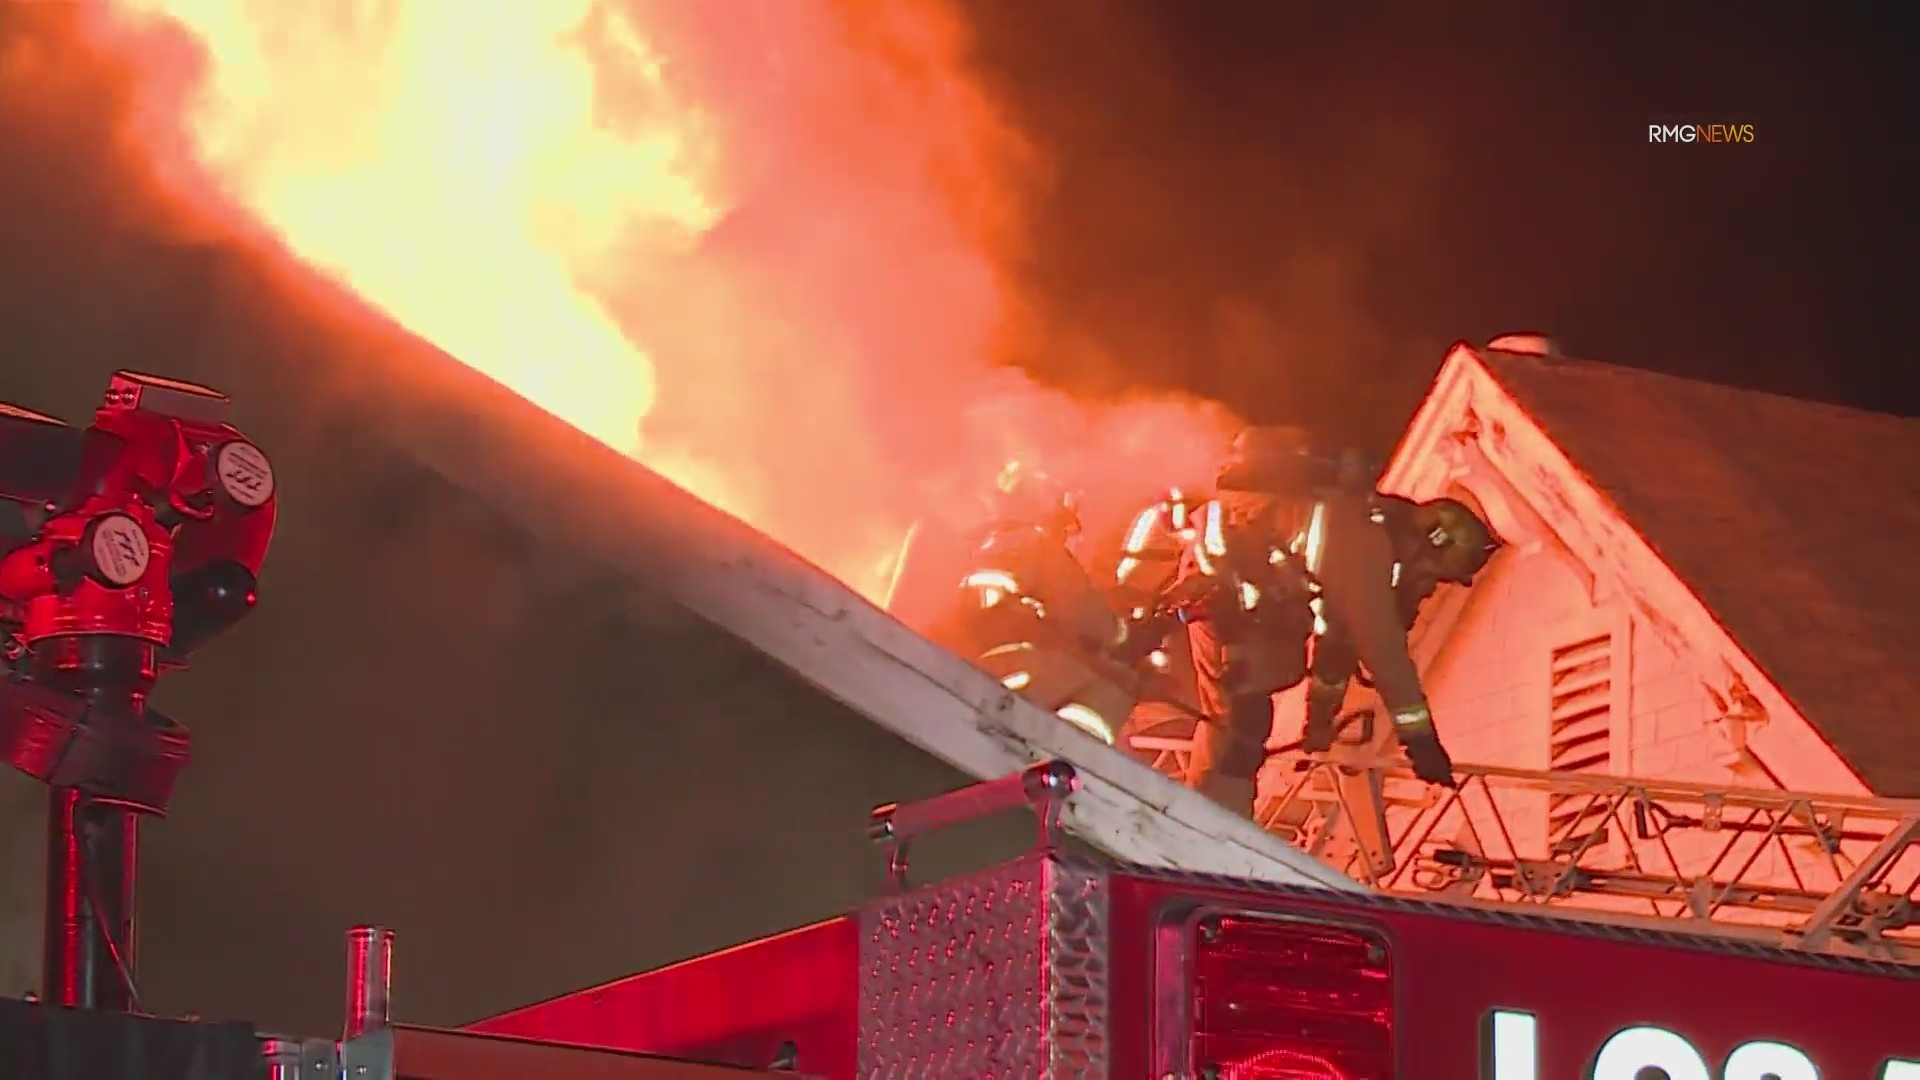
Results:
[1524, 343]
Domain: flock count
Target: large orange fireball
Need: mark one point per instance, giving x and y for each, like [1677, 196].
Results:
[755, 243]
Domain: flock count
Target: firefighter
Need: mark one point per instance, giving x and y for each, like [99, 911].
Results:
[1422, 546]
[1242, 589]
[1151, 555]
[1155, 543]
[1036, 619]
[1152, 558]
[1025, 554]
[955, 569]
[1276, 537]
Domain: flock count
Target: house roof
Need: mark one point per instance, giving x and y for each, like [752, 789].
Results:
[576, 495]
[1793, 521]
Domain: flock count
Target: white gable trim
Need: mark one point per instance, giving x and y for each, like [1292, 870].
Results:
[1470, 431]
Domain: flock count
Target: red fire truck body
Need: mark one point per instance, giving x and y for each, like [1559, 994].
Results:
[1057, 966]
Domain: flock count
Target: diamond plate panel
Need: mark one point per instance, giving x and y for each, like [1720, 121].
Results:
[1000, 975]
[1077, 944]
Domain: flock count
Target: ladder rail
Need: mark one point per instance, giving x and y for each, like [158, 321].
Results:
[1815, 872]
[1568, 783]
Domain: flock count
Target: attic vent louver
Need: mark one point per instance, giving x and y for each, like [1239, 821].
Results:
[1526, 343]
[1580, 724]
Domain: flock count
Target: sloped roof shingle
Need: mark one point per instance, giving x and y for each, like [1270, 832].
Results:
[1796, 523]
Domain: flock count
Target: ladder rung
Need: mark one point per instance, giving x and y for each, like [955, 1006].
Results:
[1686, 853]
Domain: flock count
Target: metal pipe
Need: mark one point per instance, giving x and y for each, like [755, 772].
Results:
[369, 980]
[87, 960]
[1039, 786]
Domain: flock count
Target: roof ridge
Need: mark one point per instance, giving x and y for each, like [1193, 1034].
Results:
[1518, 361]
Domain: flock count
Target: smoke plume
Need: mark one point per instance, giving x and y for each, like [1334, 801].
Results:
[765, 247]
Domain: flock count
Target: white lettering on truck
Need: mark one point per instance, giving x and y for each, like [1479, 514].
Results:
[1513, 1053]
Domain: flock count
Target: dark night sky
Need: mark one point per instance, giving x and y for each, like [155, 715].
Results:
[1229, 186]
[1239, 181]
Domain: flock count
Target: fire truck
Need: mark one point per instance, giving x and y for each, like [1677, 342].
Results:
[1059, 965]
[1148, 934]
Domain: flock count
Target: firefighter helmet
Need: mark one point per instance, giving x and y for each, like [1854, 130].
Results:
[1274, 460]
[1459, 542]
[1030, 497]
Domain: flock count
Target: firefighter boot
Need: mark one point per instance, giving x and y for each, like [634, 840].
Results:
[1228, 752]
[1323, 710]
[1414, 726]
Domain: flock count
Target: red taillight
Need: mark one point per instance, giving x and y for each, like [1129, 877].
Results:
[1278, 999]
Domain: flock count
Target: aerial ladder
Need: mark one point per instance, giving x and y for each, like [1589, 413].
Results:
[1828, 873]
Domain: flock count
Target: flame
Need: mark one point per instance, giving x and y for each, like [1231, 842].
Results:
[756, 244]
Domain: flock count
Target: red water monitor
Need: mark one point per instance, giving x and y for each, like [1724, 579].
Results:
[131, 543]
